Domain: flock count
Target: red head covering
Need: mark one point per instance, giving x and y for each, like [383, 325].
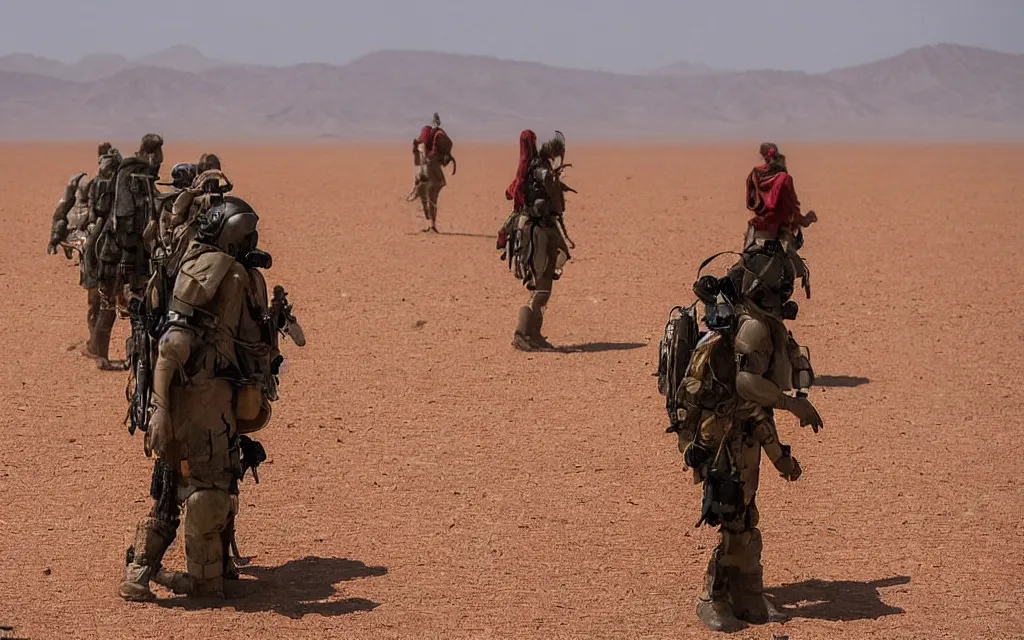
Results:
[527, 152]
[770, 192]
[427, 136]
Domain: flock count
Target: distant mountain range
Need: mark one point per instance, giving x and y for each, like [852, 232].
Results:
[936, 92]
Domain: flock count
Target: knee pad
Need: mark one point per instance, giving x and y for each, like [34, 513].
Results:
[206, 518]
[207, 511]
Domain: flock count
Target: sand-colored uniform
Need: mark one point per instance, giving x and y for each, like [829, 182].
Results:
[541, 250]
[75, 223]
[120, 246]
[733, 432]
[430, 180]
[209, 385]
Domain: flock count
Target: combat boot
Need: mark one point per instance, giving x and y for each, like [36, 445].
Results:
[524, 329]
[101, 347]
[177, 582]
[209, 588]
[538, 340]
[135, 587]
[183, 584]
[713, 608]
[746, 589]
[746, 584]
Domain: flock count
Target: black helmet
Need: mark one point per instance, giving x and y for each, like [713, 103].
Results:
[182, 175]
[230, 225]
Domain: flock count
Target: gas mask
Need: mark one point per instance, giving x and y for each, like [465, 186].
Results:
[719, 296]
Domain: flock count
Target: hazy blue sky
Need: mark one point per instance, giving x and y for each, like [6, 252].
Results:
[618, 35]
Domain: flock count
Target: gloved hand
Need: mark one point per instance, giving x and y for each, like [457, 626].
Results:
[804, 411]
[159, 434]
[789, 468]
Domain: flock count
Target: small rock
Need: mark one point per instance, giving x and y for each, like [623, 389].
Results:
[47, 571]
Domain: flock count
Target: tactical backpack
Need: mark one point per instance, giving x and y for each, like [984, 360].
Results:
[441, 147]
[682, 333]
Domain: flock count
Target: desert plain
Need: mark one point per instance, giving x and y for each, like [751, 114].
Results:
[425, 480]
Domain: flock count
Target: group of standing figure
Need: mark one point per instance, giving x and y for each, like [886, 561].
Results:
[727, 362]
[533, 240]
[204, 358]
[185, 268]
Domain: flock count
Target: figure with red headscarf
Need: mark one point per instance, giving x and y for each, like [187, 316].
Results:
[431, 152]
[534, 239]
[771, 197]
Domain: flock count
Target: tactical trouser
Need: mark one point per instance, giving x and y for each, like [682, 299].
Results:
[207, 514]
[227, 537]
[154, 534]
[430, 191]
[545, 256]
[734, 585]
[531, 316]
[92, 315]
[429, 184]
[111, 294]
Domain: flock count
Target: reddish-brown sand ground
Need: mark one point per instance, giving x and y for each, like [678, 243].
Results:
[427, 481]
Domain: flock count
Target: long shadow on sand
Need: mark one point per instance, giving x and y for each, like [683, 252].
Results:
[294, 589]
[836, 601]
[455, 234]
[600, 347]
[840, 381]
[489, 236]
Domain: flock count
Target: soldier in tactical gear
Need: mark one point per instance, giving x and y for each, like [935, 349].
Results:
[178, 226]
[213, 381]
[431, 153]
[737, 376]
[76, 217]
[534, 238]
[183, 174]
[124, 242]
[772, 198]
